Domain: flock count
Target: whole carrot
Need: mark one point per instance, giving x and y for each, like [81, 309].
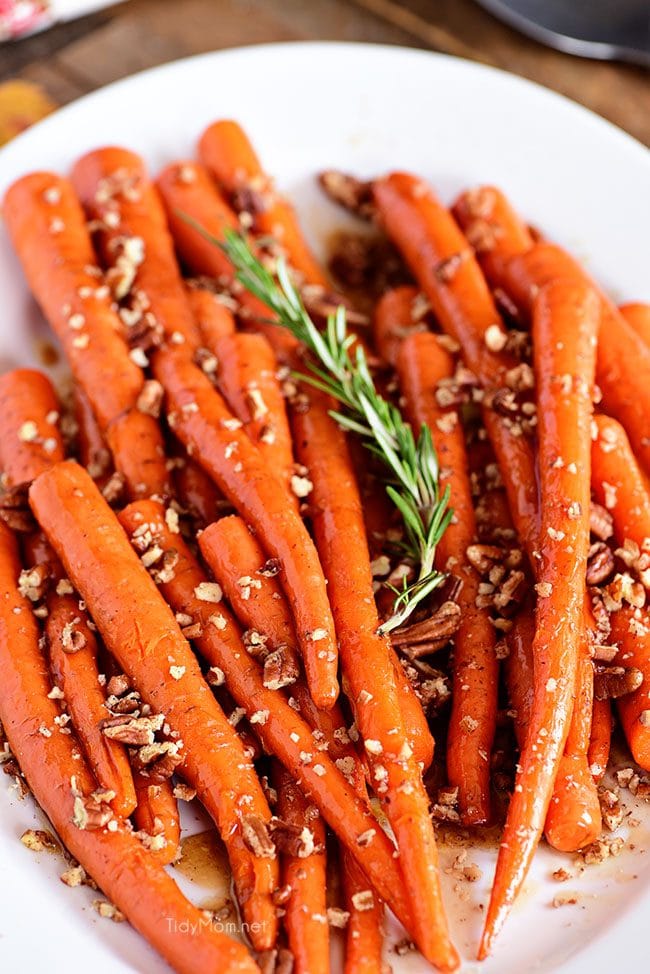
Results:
[422, 366]
[304, 874]
[156, 817]
[623, 365]
[63, 785]
[212, 312]
[340, 536]
[48, 230]
[203, 423]
[134, 240]
[141, 632]
[227, 152]
[631, 633]
[138, 450]
[637, 316]
[601, 738]
[519, 670]
[280, 727]
[565, 328]
[393, 319]
[493, 228]
[29, 415]
[247, 379]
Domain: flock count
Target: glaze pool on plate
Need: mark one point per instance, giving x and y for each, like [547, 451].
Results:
[366, 109]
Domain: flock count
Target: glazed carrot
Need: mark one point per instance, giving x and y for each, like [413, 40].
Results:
[619, 485]
[212, 313]
[393, 319]
[519, 670]
[63, 786]
[116, 192]
[340, 536]
[623, 366]
[442, 261]
[197, 492]
[73, 660]
[92, 447]
[141, 632]
[247, 380]
[250, 582]
[201, 421]
[189, 194]
[565, 328]
[227, 152]
[637, 316]
[156, 815]
[304, 872]
[493, 228]
[138, 450]
[48, 230]
[422, 365]
[601, 738]
[631, 633]
[29, 415]
[573, 819]
[443, 264]
[283, 732]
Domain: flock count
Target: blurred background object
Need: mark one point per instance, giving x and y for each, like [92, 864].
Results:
[22, 17]
[73, 58]
[604, 29]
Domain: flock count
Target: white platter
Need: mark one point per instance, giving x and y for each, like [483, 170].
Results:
[366, 109]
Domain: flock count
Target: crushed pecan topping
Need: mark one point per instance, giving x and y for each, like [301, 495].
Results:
[612, 682]
[431, 686]
[15, 510]
[280, 669]
[293, 840]
[136, 731]
[353, 194]
[601, 522]
[600, 565]
[39, 840]
[255, 834]
[429, 635]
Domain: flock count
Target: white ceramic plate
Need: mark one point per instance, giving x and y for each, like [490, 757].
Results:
[365, 109]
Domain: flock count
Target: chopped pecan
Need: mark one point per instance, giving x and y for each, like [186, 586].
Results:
[127, 729]
[353, 194]
[431, 686]
[601, 522]
[323, 303]
[483, 557]
[39, 840]
[429, 635]
[291, 839]
[90, 812]
[600, 564]
[255, 834]
[15, 510]
[612, 682]
[280, 669]
[118, 685]
[157, 761]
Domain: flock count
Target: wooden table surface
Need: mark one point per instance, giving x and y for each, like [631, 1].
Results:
[77, 57]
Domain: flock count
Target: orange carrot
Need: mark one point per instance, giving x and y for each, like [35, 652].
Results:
[623, 367]
[631, 633]
[283, 732]
[422, 365]
[565, 328]
[48, 230]
[519, 670]
[197, 492]
[340, 536]
[304, 873]
[493, 228]
[203, 423]
[212, 313]
[92, 447]
[141, 632]
[137, 446]
[637, 316]
[156, 816]
[226, 151]
[29, 415]
[115, 190]
[601, 738]
[247, 379]
[394, 319]
[63, 786]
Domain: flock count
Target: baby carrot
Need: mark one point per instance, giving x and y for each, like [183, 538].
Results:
[92, 448]
[601, 738]
[304, 873]
[340, 536]
[48, 230]
[631, 633]
[247, 379]
[197, 493]
[203, 423]
[29, 417]
[623, 365]
[282, 730]
[138, 450]
[421, 365]
[212, 313]
[519, 670]
[393, 319]
[637, 316]
[227, 152]
[141, 632]
[493, 228]
[116, 192]
[156, 816]
[63, 786]
[565, 327]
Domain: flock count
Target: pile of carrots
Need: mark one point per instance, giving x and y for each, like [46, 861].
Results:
[194, 571]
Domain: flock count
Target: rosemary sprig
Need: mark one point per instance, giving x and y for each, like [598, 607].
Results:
[412, 464]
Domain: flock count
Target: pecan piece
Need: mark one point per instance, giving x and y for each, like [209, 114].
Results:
[612, 682]
[14, 509]
[255, 834]
[292, 840]
[429, 635]
[136, 731]
[601, 522]
[600, 564]
[280, 669]
[353, 194]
